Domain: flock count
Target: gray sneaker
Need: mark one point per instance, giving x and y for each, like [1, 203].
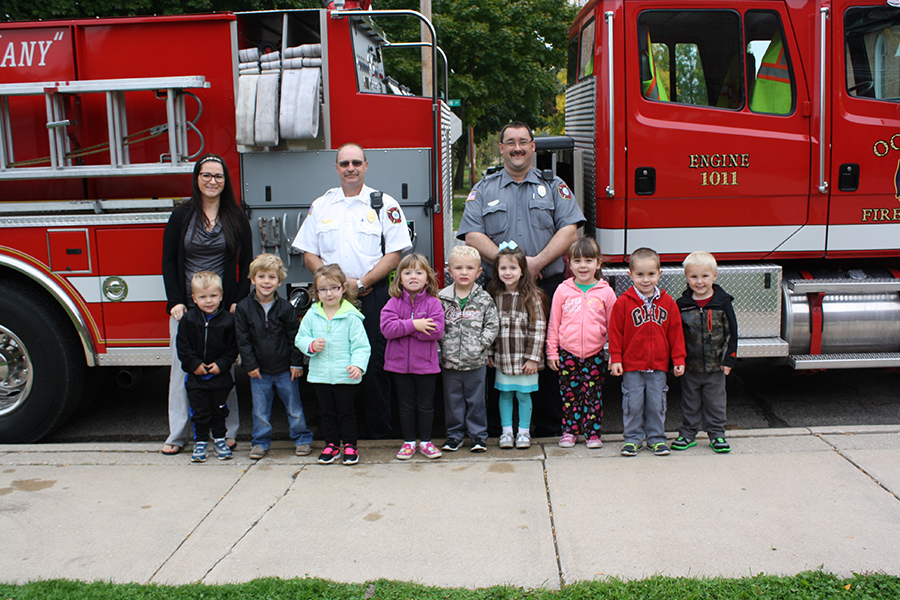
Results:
[506, 440]
[302, 450]
[257, 452]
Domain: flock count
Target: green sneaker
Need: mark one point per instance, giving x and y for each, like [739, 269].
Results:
[682, 443]
[720, 445]
[630, 449]
[659, 449]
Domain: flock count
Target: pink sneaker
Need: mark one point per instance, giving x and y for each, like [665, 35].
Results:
[429, 450]
[406, 451]
[567, 441]
[594, 442]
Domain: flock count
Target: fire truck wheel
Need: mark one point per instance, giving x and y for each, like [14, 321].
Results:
[42, 369]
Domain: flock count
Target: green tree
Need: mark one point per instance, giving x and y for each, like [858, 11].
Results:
[504, 59]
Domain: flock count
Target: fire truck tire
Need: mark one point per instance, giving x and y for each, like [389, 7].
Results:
[42, 368]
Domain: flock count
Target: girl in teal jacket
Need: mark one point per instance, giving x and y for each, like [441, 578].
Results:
[333, 336]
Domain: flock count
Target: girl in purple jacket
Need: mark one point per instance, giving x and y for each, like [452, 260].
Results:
[413, 322]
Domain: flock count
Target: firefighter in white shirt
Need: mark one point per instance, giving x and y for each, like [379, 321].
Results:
[365, 232]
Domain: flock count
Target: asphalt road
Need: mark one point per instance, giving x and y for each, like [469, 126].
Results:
[761, 395]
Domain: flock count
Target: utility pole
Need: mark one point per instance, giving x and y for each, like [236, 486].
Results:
[427, 67]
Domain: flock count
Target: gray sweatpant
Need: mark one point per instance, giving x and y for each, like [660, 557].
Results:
[703, 404]
[644, 406]
[464, 403]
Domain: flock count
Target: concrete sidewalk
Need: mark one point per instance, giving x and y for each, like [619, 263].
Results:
[783, 501]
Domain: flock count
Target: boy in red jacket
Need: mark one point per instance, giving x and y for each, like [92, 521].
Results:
[645, 336]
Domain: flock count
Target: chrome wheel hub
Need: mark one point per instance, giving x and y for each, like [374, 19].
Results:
[16, 375]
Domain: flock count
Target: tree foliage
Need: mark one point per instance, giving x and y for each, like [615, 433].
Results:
[504, 57]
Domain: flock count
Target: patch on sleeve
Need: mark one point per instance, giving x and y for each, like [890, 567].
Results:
[564, 191]
[471, 196]
[393, 215]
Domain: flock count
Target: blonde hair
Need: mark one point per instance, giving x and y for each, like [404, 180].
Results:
[205, 280]
[643, 254]
[463, 252]
[335, 273]
[410, 261]
[701, 258]
[266, 263]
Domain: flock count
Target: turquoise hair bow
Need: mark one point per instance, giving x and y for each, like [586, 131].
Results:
[512, 245]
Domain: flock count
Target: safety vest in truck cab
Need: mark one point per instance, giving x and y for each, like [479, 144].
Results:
[772, 92]
[651, 87]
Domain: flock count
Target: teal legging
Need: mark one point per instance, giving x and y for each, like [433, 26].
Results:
[506, 409]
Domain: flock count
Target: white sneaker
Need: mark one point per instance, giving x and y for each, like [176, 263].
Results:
[523, 440]
[506, 440]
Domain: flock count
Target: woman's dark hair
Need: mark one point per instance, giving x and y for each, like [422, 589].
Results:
[234, 221]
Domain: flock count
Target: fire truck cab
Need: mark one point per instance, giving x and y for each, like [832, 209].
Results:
[100, 123]
[766, 132]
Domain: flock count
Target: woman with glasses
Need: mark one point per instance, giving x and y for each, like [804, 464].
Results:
[208, 233]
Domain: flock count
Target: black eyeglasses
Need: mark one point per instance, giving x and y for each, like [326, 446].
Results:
[346, 163]
[207, 177]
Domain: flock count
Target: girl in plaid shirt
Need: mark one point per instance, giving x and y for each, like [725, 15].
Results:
[518, 351]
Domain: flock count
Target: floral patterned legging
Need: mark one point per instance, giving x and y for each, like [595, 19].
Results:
[580, 384]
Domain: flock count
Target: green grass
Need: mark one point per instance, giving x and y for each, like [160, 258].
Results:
[459, 204]
[811, 585]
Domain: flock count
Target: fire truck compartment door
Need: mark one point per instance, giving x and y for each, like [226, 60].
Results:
[727, 178]
[132, 292]
[864, 95]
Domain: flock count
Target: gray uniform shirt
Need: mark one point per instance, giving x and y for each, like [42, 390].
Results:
[530, 213]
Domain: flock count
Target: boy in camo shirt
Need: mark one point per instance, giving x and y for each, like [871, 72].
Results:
[471, 323]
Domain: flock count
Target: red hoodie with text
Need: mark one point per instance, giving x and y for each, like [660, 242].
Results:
[645, 337]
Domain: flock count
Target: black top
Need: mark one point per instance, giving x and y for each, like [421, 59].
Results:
[235, 283]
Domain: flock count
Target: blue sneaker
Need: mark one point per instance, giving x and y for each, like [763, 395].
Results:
[222, 449]
[199, 454]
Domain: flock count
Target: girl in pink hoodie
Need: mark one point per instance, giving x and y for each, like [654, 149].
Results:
[576, 334]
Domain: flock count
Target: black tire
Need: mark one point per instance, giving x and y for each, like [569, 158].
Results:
[42, 367]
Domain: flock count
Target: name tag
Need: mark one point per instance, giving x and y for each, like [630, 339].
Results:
[494, 202]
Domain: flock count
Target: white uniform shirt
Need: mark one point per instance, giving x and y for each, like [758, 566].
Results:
[347, 231]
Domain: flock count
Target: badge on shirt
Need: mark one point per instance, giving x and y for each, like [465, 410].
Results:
[494, 202]
[471, 196]
[371, 216]
[564, 191]
[542, 191]
[324, 221]
[393, 215]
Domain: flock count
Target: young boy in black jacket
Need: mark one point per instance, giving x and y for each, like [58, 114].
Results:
[266, 326]
[207, 348]
[710, 340]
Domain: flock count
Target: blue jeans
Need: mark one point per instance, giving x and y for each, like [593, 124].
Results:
[263, 390]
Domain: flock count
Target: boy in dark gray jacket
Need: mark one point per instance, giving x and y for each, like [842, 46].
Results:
[266, 326]
[710, 341]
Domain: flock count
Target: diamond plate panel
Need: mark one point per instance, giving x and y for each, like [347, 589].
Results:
[756, 290]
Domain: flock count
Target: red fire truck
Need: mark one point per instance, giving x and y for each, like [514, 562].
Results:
[100, 120]
[764, 131]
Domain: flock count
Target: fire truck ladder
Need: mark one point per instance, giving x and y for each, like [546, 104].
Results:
[61, 165]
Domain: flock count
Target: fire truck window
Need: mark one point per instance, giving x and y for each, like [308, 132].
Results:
[572, 61]
[872, 52]
[770, 74]
[586, 54]
[691, 57]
